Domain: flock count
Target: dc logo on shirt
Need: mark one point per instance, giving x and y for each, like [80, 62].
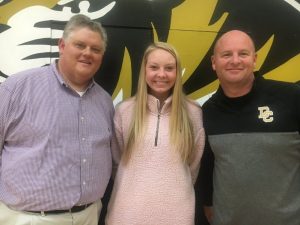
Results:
[265, 114]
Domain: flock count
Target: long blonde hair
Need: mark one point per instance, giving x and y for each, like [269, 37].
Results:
[181, 129]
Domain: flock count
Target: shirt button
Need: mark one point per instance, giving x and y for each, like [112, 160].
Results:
[83, 139]
[82, 118]
[84, 160]
[83, 183]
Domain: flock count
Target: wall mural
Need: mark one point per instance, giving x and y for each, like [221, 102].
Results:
[29, 31]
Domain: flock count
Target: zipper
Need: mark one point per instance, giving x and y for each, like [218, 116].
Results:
[157, 128]
[157, 124]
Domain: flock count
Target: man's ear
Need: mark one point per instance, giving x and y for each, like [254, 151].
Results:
[212, 58]
[61, 44]
[255, 58]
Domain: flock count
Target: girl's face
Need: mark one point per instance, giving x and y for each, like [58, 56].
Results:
[160, 71]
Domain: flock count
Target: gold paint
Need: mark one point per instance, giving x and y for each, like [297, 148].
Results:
[125, 78]
[263, 53]
[288, 71]
[205, 90]
[192, 36]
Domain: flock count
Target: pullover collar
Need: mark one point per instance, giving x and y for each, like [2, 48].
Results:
[154, 105]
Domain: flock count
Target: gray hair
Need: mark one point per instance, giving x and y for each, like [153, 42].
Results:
[82, 21]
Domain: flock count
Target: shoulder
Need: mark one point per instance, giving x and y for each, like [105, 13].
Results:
[193, 106]
[285, 92]
[25, 75]
[124, 112]
[104, 95]
[207, 105]
[194, 110]
[213, 102]
[281, 87]
[25, 80]
[126, 105]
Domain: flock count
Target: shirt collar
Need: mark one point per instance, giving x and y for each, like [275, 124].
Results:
[154, 105]
[54, 66]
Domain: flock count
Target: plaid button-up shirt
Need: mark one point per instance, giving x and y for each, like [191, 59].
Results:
[55, 145]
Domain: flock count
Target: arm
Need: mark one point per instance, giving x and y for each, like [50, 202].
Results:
[195, 114]
[115, 151]
[195, 162]
[5, 96]
[205, 187]
[117, 141]
[298, 106]
[208, 212]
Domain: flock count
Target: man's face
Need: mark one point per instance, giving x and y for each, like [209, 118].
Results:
[81, 55]
[234, 59]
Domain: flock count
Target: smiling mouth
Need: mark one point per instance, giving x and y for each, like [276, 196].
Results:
[160, 83]
[85, 62]
[235, 70]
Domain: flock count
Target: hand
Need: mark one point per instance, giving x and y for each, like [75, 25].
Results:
[208, 211]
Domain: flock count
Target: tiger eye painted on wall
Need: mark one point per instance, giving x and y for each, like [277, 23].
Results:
[29, 31]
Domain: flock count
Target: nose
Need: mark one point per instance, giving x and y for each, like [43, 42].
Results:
[235, 59]
[161, 72]
[87, 51]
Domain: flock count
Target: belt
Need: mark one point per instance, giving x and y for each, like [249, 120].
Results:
[74, 209]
